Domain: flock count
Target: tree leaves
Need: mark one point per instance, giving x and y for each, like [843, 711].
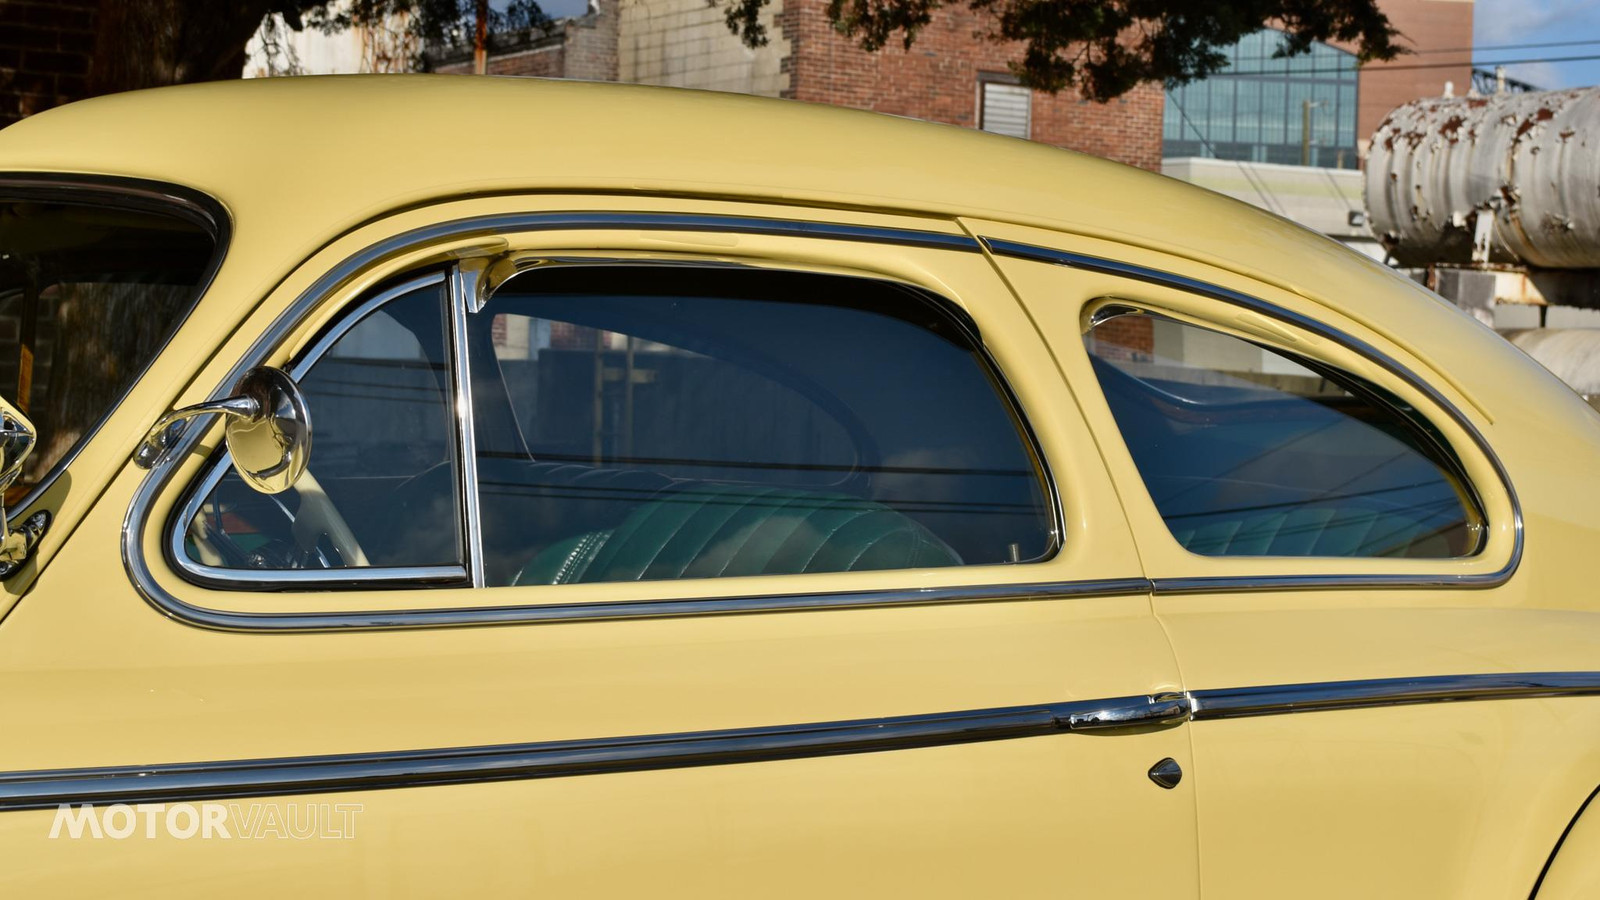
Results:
[1105, 48]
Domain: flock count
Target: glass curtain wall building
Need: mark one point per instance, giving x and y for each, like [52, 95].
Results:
[1254, 108]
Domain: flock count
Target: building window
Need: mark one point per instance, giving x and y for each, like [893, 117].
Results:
[1255, 108]
[1004, 107]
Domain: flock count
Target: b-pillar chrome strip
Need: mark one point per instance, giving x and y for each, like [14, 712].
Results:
[463, 293]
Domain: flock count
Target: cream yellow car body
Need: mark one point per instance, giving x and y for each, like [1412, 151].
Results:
[1412, 799]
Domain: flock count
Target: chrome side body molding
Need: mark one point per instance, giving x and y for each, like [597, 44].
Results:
[1273, 700]
[557, 759]
[357, 772]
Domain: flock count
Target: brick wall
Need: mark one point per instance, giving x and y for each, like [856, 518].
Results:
[1130, 338]
[584, 48]
[45, 48]
[546, 59]
[1426, 25]
[937, 79]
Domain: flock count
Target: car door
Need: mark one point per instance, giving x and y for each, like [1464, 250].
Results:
[689, 548]
[1336, 550]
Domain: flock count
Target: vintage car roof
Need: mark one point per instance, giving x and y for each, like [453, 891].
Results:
[321, 154]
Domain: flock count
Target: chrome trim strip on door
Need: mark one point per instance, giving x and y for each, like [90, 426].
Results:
[133, 193]
[1279, 699]
[375, 620]
[1210, 584]
[169, 782]
[139, 512]
[547, 759]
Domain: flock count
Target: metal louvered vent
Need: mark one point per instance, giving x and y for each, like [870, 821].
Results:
[1005, 109]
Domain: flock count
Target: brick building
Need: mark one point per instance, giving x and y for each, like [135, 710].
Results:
[45, 48]
[583, 47]
[1431, 29]
[950, 75]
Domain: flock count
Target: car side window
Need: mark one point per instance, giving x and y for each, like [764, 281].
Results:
[644, 423]
[88, 295]
[1252, 451]
[381, 487]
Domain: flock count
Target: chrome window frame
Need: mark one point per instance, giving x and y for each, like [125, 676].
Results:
[1237, 583]
[218, 467]
[465, 285]
[1447, 460]
[128, 193]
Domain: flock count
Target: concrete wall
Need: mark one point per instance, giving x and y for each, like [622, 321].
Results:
[686, 43]
[1320, 199]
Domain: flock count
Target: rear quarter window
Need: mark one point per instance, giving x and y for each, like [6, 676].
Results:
[89, 293]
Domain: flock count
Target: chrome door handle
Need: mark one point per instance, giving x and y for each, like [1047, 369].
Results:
[1154, 711]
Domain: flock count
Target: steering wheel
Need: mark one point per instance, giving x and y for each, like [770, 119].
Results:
[319, 518]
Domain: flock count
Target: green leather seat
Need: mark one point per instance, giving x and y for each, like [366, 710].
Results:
[1313, 530]
[707, 531]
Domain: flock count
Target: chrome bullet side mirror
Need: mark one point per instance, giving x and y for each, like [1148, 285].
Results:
[268, 430]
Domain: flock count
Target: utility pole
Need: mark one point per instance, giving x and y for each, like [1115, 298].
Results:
[480, 48]
[1305, 130]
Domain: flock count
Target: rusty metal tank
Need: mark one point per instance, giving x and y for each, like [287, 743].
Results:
[1514, 176]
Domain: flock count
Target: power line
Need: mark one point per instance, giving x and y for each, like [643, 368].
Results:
[1386, 68]
[1488, 62]
[1494, 47]
[1262, 189]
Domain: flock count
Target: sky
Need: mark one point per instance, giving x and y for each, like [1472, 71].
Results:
[1498, 22]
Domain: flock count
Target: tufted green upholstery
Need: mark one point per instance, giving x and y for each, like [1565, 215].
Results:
[707, 531]
[1312, 531]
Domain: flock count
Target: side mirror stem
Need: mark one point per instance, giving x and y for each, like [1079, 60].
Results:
[268, 430]
[165, 433]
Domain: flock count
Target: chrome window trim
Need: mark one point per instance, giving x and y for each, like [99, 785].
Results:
[135, 193]
[221, 779]
[1230, 583]
[140, 509]
[217, 468]
[463, 297]
[604, 611]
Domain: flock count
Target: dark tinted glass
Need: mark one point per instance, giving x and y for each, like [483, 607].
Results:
[648, 423]
[1251, 452]
[383, 458]
[88, 295]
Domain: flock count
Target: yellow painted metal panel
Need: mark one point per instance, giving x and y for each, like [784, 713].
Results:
[139, 688]
[1450, 800]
